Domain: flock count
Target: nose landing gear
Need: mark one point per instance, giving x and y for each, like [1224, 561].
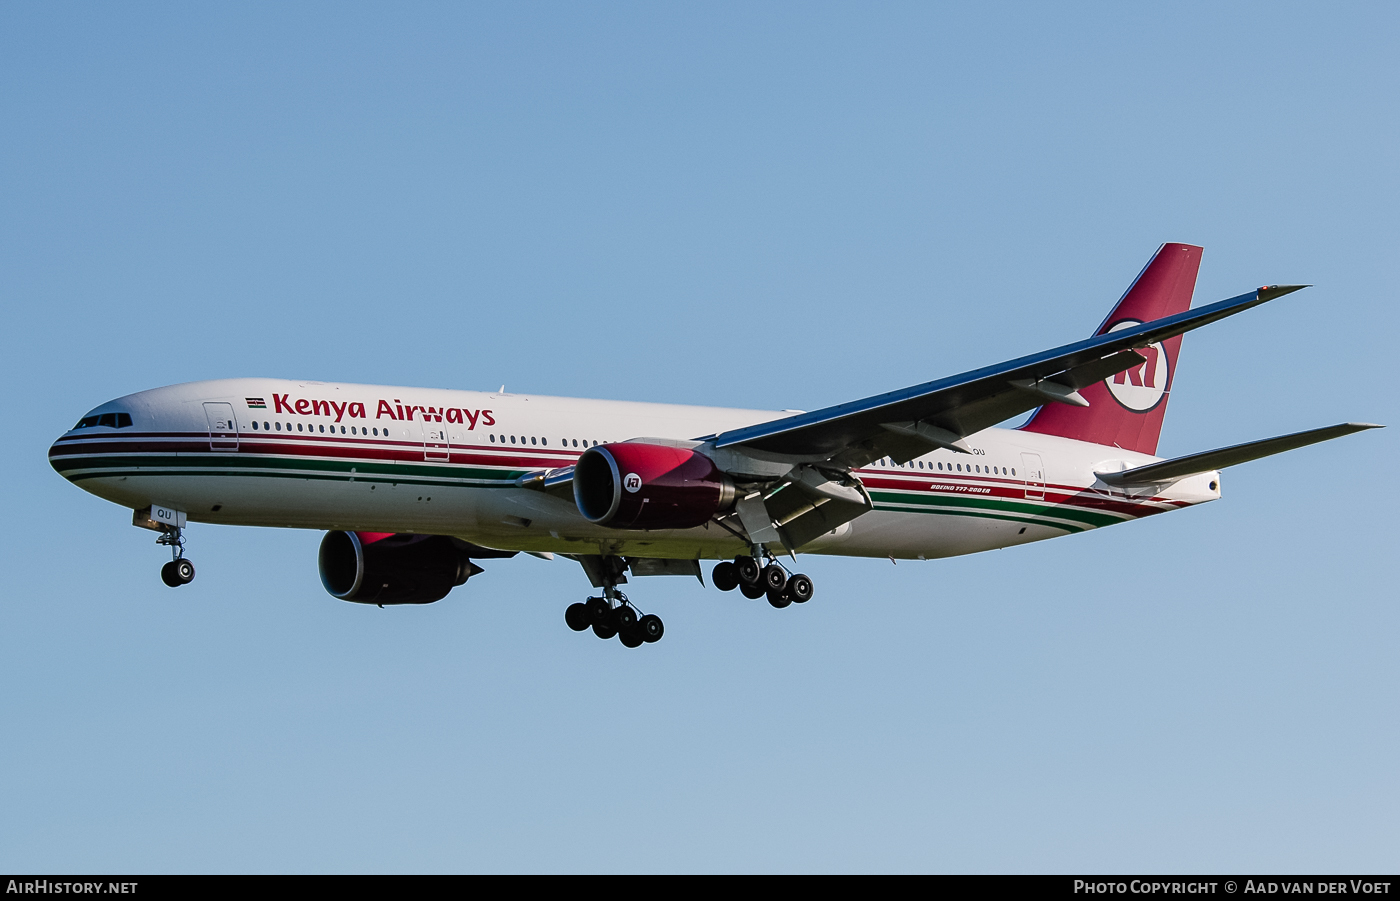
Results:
[755, 580]
[179, 571]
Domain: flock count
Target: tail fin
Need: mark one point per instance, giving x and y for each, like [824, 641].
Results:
[1127, 409]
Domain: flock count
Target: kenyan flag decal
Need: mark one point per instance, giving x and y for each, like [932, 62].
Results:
[256, 403]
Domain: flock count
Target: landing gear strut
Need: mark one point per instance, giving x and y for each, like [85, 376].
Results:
[179, 571]
[755, 580]
[612, 614]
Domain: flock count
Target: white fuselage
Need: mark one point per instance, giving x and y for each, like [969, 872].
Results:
[415, 460]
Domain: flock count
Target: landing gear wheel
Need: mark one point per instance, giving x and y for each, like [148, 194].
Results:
[604, 630]
[167, 575]
[651, 628]
[599, 613]
[800, 588]
[630, 639]
[625, 618]
[773, 578]
[779, 599]
[748, 570]
[752, 592]
[577, 617]
[183, 570]
[725, 576]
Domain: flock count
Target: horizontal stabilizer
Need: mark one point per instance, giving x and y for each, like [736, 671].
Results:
[1208, 461]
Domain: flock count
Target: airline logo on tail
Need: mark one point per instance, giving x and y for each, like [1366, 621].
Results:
[1143, 387]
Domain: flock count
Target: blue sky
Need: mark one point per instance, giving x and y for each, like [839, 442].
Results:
[763, 205]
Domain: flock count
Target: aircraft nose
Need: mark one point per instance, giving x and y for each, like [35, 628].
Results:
[58, 454]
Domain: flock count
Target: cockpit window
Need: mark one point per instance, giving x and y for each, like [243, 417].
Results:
[111, 420]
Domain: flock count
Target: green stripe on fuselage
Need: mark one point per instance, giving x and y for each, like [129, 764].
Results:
[993, 507]
[290, 468]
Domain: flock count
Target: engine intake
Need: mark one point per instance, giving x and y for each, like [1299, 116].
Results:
[393, 569]
[635, 485]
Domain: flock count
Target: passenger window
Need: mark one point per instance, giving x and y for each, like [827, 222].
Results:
[298, 427]
[279, 426]
[1013, 470]
[575, 442]
[255, 425]
[512, 439]
[493, 439]
[532, 440]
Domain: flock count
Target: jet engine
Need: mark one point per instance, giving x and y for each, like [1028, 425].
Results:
[371, 568]
[635, 485]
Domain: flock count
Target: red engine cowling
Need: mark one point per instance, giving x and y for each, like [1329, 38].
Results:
[377, 568]
[649, 486]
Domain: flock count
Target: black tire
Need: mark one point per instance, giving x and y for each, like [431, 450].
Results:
[630, 638]
[167, 575]
[183, 570]
[725, 577]
[779, 599]
[599, 612]
[577, 617]
[774, 578]
[625, 618]
[604, 630]
[748, 570]
[752, 592]
[651, 628]
[801, 588]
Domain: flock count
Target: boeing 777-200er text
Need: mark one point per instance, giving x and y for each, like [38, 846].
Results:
[414, 485]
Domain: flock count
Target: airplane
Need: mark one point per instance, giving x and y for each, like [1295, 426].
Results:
[414, 485]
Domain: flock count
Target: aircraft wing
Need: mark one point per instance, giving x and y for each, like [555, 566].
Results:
[907, 423]
[1208, 461]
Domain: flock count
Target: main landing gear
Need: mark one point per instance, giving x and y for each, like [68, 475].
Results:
[179, 571]
[755, 580]
[623, 621]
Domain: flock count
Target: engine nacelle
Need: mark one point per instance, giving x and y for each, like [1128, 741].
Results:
[392, 569]
[649, 486]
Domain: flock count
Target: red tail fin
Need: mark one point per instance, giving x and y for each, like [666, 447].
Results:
[1126, 410]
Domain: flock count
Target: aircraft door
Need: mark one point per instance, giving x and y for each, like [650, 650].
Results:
[437, 447]
[223, 428]
[1034, 474]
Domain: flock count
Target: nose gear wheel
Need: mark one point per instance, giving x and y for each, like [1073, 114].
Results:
[179, 571]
